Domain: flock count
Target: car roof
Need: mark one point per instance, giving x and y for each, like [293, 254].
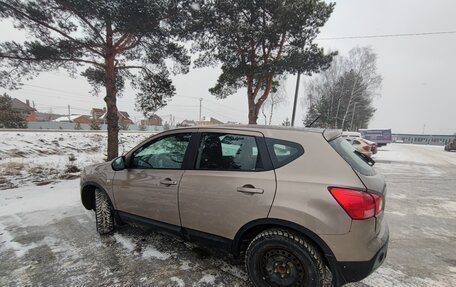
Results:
[259, 128]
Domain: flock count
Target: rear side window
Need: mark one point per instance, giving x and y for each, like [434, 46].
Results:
[283, 152]
[348, 153]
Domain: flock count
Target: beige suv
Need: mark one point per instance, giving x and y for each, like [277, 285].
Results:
[301, 205]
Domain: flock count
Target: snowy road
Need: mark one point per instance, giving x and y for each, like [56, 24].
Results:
[48, 239]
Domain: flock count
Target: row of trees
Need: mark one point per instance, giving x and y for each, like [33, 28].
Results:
[341, 96]
[129, 42]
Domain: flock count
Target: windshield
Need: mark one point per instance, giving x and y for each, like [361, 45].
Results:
[353, 158]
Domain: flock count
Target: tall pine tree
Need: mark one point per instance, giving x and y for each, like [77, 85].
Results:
[114, 42]
[258, 41]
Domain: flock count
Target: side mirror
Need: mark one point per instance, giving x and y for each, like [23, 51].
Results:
[118, 163]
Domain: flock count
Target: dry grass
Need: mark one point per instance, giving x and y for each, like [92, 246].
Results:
[12, 168]
[42, 171]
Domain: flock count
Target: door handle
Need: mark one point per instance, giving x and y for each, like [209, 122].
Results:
[168, 181]
[248, 188]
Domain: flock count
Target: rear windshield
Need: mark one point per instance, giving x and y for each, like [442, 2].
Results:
[347, 151]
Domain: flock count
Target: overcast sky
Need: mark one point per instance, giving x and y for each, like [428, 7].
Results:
[419, 79]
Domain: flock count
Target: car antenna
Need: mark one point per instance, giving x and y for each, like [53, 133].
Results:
[316, 119]
[318, 115]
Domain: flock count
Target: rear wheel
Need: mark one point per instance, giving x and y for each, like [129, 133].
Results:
[103, 213]
[278, 257]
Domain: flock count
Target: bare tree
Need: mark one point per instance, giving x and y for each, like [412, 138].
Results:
[342, 95]
[362, 61]
[322, 87]
[277, 98]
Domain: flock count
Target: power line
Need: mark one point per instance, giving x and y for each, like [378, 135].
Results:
[207, 100]
[185, 106]
[52, 89]
[387, 35]
[65, 97]
[218, 104]
[58, 94]
[219, 114]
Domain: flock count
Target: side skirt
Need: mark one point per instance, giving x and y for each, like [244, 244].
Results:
[203, 238]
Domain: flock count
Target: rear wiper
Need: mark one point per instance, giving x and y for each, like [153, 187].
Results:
[366, 158]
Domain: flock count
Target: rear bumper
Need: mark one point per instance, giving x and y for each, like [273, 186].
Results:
[356, 271]
[358, 253]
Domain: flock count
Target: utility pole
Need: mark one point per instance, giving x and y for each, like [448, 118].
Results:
[353, 116]
[69, 113]
[295, 99]
[201, 101]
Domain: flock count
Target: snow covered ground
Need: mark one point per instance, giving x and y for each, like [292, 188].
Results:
[47, 237]
[43, 157]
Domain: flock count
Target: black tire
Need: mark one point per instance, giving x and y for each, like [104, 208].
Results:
[277, 257]
[103, 213]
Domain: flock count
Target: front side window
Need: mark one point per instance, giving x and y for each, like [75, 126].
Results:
[164, 153]
[219, 151]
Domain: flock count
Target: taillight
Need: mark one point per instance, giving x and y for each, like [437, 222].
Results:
[357, 204]
[378, 203]
[366, 148]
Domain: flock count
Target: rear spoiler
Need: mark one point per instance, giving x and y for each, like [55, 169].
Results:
[330, 134]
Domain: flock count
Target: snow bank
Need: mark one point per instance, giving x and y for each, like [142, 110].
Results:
[30, 157]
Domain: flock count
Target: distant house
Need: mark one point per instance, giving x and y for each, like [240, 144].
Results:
[26, 111]
[208, 121]
[187, 123]
[81, 119]
[96, 113]
[124, 118]
[154, 120]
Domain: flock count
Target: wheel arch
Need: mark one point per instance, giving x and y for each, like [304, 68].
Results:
[88, 194]
[251, 229]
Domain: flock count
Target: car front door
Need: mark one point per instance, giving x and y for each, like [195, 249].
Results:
[230, 184]
[149, 186]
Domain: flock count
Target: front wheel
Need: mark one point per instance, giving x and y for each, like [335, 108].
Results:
[278, 257]
[103, 213]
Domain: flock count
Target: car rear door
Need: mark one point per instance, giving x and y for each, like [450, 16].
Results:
[230, 183]
[149, 186]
